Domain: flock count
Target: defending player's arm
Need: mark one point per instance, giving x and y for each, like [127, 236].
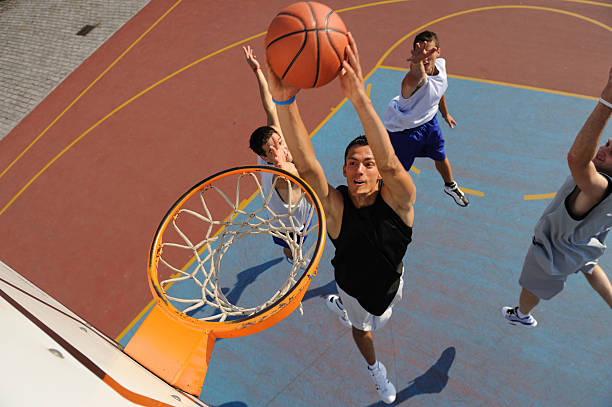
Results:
[264, 92]
[415, 78]
[281, 158]
[301, 148]
[395, 177]
[580, 157]
[445, 114]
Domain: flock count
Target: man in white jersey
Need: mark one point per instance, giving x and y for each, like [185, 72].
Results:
[570, 236]
[410, 117]
[269, 145]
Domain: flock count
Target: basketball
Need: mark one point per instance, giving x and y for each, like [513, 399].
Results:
[305, 44]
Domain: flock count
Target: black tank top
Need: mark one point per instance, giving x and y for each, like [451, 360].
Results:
[369, 252]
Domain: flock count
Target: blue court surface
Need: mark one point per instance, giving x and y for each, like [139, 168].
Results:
[447, 343]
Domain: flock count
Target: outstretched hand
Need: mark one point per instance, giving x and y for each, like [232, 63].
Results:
[280, 153]
[250, 57]
[420, 52]
[351, 77]
[279, 90]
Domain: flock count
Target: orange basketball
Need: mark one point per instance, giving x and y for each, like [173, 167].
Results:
[305, 44]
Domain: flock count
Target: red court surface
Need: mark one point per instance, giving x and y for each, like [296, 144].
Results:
[169, 100]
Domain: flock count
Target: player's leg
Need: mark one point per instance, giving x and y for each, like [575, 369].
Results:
[445, 171]
[434, 149]
[600, 283]
[536, 284]
[365, 343]
[363, 323]
[527, 302]
[521, 315]
[286, 250]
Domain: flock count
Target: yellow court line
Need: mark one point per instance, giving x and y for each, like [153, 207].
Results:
[121, 106]
[415, 170]
[87, 89]
[459, 13]
[508, 84]
[131, 324]
[379, 3]
[591, 3]
[539, 196]
[472, 191]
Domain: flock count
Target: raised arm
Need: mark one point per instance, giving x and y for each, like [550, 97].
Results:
[264, 91]
[396, 179]
[301, 149]
[580, 157]
[415, 78]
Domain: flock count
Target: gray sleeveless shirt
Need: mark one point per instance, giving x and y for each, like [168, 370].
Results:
[566, 244]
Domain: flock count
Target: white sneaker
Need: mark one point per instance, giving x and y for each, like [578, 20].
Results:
[512, 316]
[385, 389]
[335, 306]
[457, 194]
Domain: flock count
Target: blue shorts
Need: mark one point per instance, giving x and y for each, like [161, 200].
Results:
[423, 141]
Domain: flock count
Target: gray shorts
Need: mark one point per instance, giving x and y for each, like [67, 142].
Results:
[362, 319]
[537, 278]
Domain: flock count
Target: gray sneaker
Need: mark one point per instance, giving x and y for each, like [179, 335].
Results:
[457, 194]
[511, 315]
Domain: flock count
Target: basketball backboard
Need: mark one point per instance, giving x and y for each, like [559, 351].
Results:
[50, 356]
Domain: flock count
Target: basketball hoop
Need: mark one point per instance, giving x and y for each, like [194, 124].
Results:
[213, 236]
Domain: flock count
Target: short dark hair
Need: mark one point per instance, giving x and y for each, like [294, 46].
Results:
[357, 141]
[426, 36]
[259, 137]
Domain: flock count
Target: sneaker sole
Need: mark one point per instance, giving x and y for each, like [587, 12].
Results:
[460, 203]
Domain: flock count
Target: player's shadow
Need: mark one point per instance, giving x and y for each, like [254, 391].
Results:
[432, 381]
[329, 288]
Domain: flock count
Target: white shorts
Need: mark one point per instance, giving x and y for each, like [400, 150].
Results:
[362, 319]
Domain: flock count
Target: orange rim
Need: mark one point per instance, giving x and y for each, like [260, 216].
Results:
[265, 318]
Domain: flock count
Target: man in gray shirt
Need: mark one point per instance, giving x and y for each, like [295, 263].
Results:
[570, 235]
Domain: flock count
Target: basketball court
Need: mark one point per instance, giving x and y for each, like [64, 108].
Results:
[169, 100]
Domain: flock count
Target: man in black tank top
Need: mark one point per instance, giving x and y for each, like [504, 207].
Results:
[369, 222]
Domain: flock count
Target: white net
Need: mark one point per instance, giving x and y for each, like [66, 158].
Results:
[221, 222]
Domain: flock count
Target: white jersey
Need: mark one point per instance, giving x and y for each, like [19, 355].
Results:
[278, 207]
[421, 106]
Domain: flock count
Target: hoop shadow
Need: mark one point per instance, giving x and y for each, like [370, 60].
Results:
[243, 280]
[432, 381]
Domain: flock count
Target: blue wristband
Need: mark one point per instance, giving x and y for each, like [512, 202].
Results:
[284, 102]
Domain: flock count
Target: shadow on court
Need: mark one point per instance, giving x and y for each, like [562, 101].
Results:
[432, 381]
[248, 276]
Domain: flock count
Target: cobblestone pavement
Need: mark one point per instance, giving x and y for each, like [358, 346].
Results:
[39, 46]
